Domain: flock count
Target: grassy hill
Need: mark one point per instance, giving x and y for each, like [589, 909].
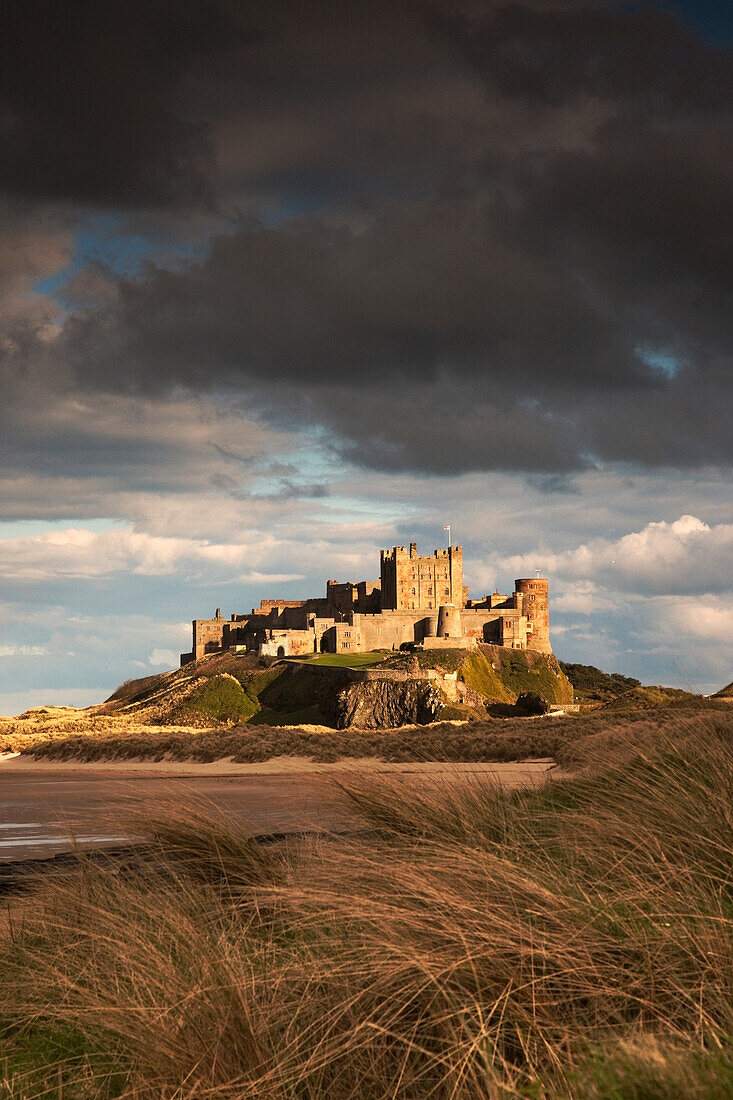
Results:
[650, 697]
[724, 693]
[592, 685]
[495, 673]
[229, 688]
[222, 688]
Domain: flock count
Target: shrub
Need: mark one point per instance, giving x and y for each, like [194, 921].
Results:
[531, 703]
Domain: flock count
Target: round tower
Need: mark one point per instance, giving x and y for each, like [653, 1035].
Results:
[449, 621]
[535, 607]
[430, 625]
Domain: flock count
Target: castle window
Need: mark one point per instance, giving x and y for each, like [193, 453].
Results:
[430, 591]
[447, 591]
[531, 597]
[414, 592]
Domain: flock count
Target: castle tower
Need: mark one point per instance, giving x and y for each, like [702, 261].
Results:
[449, 621]
[417, 582]
[532, 602]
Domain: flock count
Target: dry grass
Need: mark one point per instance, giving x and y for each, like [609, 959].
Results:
[500, 740]
[490, 740]
[570, 941]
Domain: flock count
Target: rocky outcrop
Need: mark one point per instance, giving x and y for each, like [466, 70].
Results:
[384, 704]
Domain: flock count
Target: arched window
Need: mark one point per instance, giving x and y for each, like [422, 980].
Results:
[430, 591]
[414, 592]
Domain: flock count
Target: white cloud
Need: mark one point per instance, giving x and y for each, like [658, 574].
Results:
[656, 602]
[582, 598]
[707, 617]
[16, 702]
[270, 578]
[23, 651]
[78, 553]
[687, 555]
[163, 658]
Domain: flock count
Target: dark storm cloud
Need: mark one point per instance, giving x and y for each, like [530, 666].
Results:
[422, 288]
[88, 97]
[546, 216]
[552, 54]
[149, 103]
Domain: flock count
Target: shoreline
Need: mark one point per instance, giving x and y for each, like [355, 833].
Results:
[17, 764]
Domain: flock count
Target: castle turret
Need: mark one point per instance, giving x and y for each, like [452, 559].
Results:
[449, 621]
[532, 602]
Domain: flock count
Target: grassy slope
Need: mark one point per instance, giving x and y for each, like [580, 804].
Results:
[592, 685]
[528, 671]
[271, 693]
[231, 688]
[571, 942]
[649, 698]
[498, 674]
[298, 697]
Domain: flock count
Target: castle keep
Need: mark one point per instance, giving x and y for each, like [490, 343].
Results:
[418, 599]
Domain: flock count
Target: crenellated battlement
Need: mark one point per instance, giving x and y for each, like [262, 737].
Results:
[419, 599]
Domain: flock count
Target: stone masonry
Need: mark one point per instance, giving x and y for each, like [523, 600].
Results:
[419, 599]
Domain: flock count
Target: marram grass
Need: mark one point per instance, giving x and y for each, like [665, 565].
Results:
[569, 941]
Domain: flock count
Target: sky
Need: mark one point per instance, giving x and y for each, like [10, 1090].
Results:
[283, 283]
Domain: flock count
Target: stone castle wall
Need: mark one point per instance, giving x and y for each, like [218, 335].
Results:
[416, 596]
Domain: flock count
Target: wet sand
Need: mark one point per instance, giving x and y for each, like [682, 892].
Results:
[42, 804]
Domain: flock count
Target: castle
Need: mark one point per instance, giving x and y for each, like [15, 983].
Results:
[418, 599]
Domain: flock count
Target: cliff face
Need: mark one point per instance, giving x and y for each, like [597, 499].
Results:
[464, 682]
[384, 704]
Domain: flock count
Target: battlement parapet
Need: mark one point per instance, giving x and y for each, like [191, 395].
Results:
[402, 608]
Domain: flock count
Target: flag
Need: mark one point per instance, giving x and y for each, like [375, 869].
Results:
[446, 528]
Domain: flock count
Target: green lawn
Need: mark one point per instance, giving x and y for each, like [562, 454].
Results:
[349, 660]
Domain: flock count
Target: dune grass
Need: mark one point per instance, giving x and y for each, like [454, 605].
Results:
[488, 739]
[570, 941]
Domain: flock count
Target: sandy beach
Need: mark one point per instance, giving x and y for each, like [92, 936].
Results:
[511, 774]
[44, 805]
